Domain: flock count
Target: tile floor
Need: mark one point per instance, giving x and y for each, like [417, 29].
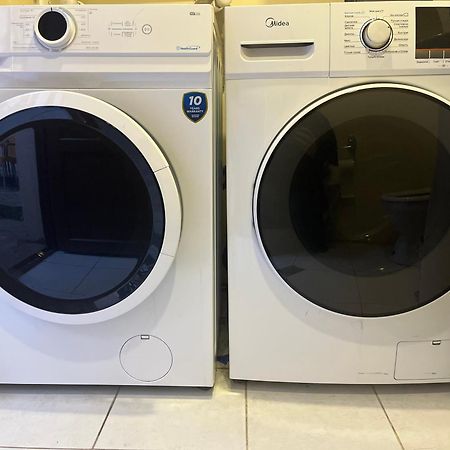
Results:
[232, 416]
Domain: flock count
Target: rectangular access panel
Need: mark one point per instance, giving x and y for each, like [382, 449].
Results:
[423, 360]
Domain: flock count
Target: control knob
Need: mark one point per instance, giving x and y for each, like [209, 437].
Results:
[55, 29]
[376, 34]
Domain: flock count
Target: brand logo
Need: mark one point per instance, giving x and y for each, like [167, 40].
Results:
[271, 22]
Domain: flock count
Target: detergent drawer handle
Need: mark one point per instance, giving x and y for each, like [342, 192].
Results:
[277, 44]
[277, 49]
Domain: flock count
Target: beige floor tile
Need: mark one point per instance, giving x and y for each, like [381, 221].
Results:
[53, 416]
[313, 417]
[420, 414]
[178, 418]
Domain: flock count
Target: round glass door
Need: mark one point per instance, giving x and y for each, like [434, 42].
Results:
[352, 201]
[83, 219]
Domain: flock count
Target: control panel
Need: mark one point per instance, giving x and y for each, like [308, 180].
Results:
[106, 29]
[384, 38]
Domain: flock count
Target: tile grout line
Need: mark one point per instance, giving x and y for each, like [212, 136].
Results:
[81, 282]
[106, 417]
[246, 415]
[388, 418]
[44, 448]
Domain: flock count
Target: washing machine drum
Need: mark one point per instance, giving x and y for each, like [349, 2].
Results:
[89, 211]
[352, 201]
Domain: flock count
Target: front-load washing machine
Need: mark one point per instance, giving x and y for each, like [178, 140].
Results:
[338, 187]
[107, 194]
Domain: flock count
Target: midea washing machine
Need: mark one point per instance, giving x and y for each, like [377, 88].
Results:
[338, 186]
[107, 194]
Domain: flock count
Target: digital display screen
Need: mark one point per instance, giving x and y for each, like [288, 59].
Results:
[432, 32]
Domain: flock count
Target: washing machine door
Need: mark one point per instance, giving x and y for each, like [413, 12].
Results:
[90, 214]
[352, 201]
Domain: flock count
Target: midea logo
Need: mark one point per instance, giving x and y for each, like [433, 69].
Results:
[271, 22]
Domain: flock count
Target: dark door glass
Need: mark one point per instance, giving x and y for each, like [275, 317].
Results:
[81, 212]
[353, 206]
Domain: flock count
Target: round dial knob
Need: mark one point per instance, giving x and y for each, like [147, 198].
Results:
[55, 29]
[376, 34]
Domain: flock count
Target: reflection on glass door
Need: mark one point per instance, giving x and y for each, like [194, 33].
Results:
[353, 205]
[81, 213]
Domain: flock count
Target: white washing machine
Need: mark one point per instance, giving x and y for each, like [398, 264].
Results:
[107, 194]
[338, 186]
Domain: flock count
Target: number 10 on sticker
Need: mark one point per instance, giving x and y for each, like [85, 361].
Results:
[195, 100]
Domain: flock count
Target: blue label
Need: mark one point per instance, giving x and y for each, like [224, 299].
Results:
[195, 105]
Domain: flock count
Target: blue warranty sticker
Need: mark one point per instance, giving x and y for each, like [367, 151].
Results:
[195, 105]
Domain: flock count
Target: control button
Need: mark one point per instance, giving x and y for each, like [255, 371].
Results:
[422, 54]
[376, 34]
[435, 53]
[55, 29]
[146, 29]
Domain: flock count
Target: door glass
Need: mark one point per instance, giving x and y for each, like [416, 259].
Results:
[81, 213]
[353, 207]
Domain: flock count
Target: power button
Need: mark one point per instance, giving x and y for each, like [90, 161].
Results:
[146, 29]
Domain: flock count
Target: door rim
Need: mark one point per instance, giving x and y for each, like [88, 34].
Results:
[270, 151]
[166, 183]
